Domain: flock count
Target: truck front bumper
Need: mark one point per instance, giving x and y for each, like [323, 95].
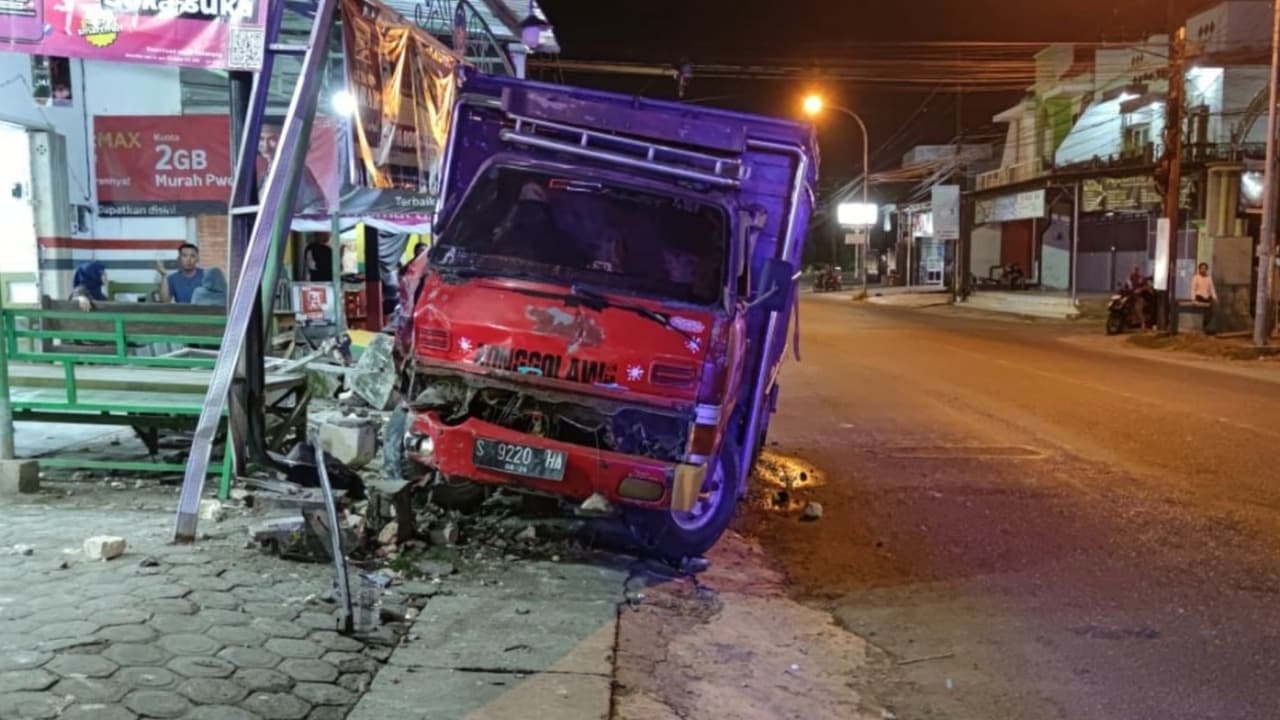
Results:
[622, 479]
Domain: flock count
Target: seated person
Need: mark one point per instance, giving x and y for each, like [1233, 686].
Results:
[179, 286]
[89, 283]
[213, 289]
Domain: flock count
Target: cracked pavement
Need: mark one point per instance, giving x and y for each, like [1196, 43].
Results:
[211, 631]
[219, 631]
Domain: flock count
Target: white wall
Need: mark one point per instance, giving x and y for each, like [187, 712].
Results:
[99, 88]
[1098, 133]
[1232, 26]
[1055, 254]
[984, 249]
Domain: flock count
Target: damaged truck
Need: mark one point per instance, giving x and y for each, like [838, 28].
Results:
[606, 304]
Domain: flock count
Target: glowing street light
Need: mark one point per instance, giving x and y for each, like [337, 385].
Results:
[343, 103]
[813, 106]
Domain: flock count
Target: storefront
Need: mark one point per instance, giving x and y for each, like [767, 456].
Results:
[1007, 232]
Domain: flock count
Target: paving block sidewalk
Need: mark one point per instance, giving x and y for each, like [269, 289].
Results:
[211, 631]
[534, 640]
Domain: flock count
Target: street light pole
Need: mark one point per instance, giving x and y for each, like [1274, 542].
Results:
[1266, 243]
[866, 181]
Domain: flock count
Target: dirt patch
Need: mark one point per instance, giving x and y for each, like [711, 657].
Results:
[1229, 347]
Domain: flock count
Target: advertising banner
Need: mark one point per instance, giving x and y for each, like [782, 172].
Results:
[404, 84]
[1021, 206]
[946, 211]
[215, 34]
[162, 166]
[180, 165]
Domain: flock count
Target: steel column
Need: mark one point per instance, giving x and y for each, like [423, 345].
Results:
[270, 221]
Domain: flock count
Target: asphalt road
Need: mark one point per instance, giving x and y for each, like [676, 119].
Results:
[1025, 527]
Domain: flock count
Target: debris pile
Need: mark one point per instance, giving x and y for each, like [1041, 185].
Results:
[783, 485]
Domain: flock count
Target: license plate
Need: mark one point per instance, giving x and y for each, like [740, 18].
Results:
[519, 459]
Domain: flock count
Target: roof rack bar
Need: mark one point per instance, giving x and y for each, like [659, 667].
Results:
[651, 155]
[618, 158]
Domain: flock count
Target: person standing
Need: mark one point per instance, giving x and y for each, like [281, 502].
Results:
[319, 260]
[1203, 293]
[180, 286]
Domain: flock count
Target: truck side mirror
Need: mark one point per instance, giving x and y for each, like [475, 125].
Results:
[776, 280]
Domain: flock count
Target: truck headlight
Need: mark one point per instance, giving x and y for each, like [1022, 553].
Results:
[423, 445]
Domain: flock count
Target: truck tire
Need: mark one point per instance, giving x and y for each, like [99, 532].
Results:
[672, 536]
[449, 494]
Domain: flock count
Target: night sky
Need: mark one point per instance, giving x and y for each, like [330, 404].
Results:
[818, 33]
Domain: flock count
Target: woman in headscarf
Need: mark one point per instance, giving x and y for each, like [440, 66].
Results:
[213, 291]
[89, 283]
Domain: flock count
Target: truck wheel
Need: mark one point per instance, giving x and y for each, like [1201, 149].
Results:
[450, 494]
[674, 536]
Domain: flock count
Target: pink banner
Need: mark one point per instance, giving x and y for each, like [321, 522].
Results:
[220, 34]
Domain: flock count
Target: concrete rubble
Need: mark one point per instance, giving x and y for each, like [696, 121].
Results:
[352, 441]
[104, 547]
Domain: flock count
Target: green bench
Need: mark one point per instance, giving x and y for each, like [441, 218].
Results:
[65, 365]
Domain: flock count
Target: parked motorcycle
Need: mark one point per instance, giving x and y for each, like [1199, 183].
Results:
[1132, 307]
[828, 280]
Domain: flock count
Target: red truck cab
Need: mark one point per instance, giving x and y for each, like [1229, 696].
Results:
[604, 308]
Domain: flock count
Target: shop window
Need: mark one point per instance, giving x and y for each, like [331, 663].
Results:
[51, 80]
[1137, 140]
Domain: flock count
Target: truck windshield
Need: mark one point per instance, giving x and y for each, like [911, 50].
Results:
[530, 223]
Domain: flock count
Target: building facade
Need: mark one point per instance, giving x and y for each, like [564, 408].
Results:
[55, 111]
[1076, 198]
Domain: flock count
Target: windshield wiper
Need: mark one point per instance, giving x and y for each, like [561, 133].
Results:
[599, 302]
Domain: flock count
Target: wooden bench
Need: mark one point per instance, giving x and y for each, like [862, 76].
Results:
[97, 331]
[98, 367]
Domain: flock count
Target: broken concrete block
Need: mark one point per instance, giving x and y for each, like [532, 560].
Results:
[389, 533]
[104, 547]
[374, 377]
[19, 477]
[324, 383]
[212, 510]
[351, 441]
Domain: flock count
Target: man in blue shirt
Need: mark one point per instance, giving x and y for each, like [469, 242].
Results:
[180, 286]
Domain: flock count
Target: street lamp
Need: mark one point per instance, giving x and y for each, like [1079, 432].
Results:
[813, 107]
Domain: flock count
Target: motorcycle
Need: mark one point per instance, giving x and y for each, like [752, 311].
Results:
[1132, 307]
[828, 280]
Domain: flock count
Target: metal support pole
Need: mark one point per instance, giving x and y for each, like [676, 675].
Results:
[335, 256]
[271, 222]
[238, 231]
[1075, 247]
[1267, 243]
[6, 407]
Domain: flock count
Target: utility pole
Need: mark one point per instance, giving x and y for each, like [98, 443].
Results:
[1267, 243]
[1172, 176]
